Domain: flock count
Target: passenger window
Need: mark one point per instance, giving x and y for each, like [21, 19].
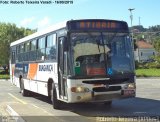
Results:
[26, 50]
[41, 49]
[13, 57]
[41, 43]
[33, 52]
[51, 47]
[27, 46]
[17, 53]
[18, 49]
[33, 45]
[20, 54]
[21, 48]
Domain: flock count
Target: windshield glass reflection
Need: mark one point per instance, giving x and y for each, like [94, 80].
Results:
[97, 54]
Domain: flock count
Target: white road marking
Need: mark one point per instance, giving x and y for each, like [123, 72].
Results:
[42, 110]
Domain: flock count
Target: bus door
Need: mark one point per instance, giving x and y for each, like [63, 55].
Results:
[62, 68]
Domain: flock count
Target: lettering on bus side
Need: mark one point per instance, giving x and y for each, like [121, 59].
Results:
[46, 68]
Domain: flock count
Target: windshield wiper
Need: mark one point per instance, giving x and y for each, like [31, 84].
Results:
[104, 49]
[98, 45]
[104, 54]
[97, 41]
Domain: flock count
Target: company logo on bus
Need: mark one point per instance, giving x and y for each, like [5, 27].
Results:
[46, 68]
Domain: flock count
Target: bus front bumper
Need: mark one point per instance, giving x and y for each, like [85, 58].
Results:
[93, 96]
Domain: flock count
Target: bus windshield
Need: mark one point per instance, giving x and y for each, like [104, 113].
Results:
[101, 54]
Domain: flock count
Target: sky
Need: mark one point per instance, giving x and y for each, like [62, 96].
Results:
[40, 16]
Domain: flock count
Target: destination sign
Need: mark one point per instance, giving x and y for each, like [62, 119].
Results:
[97, 25]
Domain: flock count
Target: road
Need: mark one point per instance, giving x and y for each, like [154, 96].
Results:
[39, 108]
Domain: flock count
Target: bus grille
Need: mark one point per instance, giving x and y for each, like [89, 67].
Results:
[104, 89]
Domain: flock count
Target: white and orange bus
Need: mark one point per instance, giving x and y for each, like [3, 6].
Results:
[88, 60]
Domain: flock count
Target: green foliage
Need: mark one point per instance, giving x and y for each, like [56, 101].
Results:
[4, 76]
[151, 35]
[135, 45]
[139, 27]
[136, 64]
[155, 37]
[156, 43]
[154, 28]
[152, 65]
[140, 65]
[155, 63]
[9, 33]
[148, 72]
[139, 36]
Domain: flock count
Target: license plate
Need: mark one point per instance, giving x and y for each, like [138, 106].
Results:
[128, 92]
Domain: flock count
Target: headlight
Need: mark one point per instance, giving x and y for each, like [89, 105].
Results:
[131, 86]
[79, 89]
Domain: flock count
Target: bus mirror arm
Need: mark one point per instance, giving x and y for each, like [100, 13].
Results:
[59, 69]
[65, 44]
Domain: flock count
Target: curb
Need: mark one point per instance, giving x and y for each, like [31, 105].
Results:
[14, 115]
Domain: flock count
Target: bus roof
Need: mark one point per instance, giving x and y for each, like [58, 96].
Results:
[75, 25]
[40, 33]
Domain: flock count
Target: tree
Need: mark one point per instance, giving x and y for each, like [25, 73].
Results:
[154, 28]
[156, 44]
[10, 33]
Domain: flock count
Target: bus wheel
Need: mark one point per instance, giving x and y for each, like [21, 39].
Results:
[23, 91]
[55, 101]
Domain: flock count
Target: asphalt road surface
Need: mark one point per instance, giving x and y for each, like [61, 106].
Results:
[145, 104]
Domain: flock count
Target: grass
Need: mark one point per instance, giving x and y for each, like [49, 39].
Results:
[148, 72]
[4, 76]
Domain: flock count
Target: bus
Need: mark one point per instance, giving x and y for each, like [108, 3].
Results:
[88, 60]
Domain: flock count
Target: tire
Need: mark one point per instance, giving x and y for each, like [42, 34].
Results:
[23, 91]
[55, 101]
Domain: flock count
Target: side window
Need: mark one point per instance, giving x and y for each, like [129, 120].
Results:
[13, 59]
[27, 46]
[33, 52]
[118, 48]
[41, 48]
[51, 47]
[21, 48]
[26, 50]
[21, 51]
[13, 54]
[18, 49]
[33, 45]
[18, 53]
[41, 43]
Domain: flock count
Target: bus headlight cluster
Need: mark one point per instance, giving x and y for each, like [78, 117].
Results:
[79, 89]
[130, 86]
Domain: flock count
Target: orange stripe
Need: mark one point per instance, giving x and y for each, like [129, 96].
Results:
[32, 71]
[95, 71]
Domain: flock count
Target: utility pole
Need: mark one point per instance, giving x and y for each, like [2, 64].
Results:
[139, 21]
[131, 17]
